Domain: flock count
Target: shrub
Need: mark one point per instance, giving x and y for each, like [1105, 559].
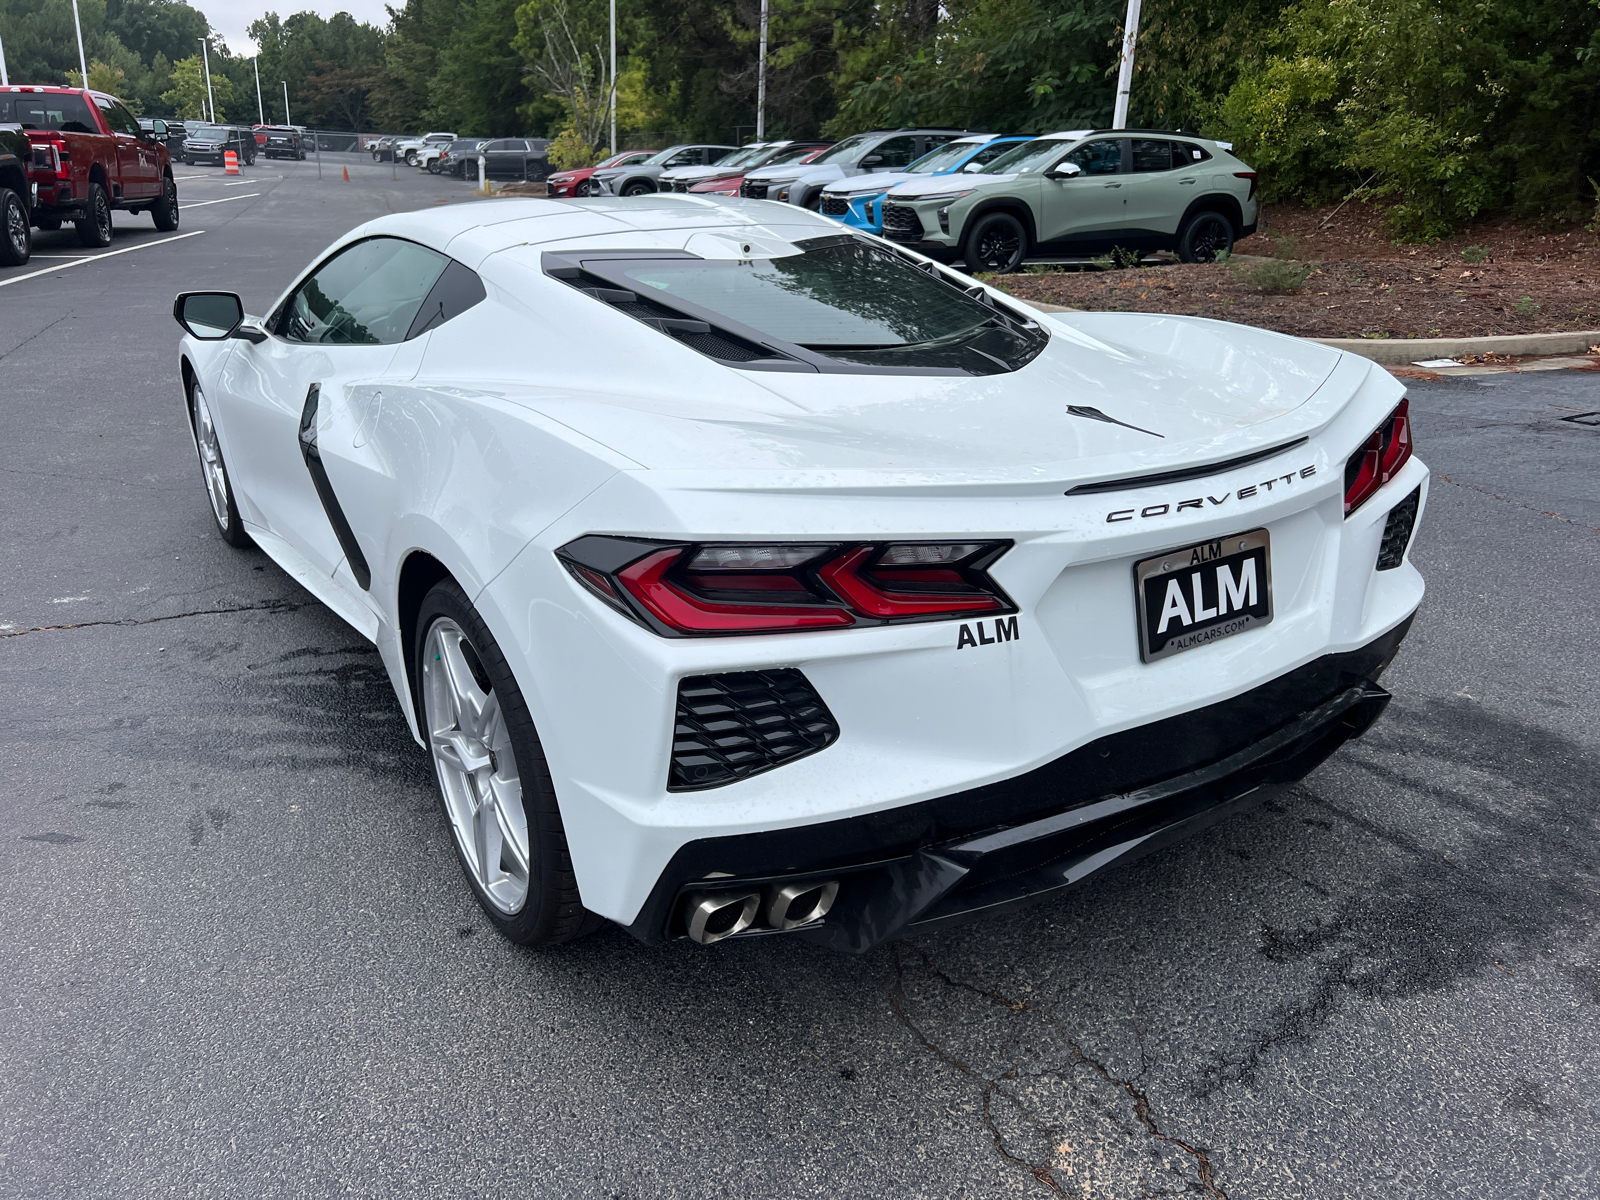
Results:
[1525, 307]
[1473, 254]
[1275, 277]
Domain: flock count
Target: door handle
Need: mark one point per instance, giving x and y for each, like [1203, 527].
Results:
[1112, 185]
[1185, 183]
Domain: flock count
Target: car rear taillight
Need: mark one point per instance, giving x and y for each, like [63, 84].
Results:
[1379, 459]
[709, 588]
[1251, 176]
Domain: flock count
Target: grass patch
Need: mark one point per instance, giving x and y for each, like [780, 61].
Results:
[1275, 277]
[1473, 254]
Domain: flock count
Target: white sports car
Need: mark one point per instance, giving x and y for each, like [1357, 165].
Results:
[742, 575]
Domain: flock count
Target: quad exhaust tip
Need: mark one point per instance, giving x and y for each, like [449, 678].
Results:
[713, 916]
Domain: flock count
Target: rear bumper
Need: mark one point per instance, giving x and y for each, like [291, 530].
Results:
[1029, 837]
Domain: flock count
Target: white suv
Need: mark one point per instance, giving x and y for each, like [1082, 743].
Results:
[411, 149]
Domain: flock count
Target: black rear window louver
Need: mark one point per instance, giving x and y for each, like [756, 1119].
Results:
[700, 336]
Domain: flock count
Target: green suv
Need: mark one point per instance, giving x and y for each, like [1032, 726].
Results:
[1080, 193]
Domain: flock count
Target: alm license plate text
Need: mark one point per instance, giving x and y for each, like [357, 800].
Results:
[1198, 594]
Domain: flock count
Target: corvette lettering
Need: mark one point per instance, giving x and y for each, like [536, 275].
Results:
[1005, 630]
[1200, 502]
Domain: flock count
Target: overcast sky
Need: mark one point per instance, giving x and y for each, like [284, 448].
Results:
[230, 18]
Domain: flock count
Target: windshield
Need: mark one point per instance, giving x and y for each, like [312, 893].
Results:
[944, 158]
[790, 154]
[743, 158]
[1029, 156]
[211, 131]
[844, 149]
[845, 299]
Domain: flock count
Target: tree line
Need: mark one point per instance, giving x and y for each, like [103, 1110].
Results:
[1445, 109]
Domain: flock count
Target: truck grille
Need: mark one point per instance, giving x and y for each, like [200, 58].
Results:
[835, 206]
[679, 186]
[732, 726]
[901, 224]
[753, 191]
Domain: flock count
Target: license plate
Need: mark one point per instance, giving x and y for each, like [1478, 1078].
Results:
[1202, 593]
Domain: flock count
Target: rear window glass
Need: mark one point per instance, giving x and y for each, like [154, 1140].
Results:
[846, 299]
[67, 113]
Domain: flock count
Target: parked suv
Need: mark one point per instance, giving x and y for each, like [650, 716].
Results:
[1081, 193]
[748, 158]
[579, 180]
[881, 150]
[410, 149]
[640, 179]
[858, 200]
[458, 158]
[211, 143]
[282, 141]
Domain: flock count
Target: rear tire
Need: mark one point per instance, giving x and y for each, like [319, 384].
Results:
[503, 816]
[95, 228]
[165, 210]
[996, 242]
[16, 233]
[1204, 236]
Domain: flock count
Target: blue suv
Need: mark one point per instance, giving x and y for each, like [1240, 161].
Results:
[858, 200]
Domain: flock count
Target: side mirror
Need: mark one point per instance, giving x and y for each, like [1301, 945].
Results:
[209, 316]
[972, 168]
[1065, 170]
[872, 160]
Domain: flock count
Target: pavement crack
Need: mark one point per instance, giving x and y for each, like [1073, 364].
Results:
[1515, 503]
[30, 338]
[270, 606]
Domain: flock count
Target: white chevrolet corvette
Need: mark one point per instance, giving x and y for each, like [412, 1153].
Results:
[742, 575]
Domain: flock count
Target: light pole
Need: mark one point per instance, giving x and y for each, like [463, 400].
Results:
[83, 63]
[286, 119]
[761, 80]
[5, 80]
[261, 109]
[205, 53]
[1130, 34]
[613, 76]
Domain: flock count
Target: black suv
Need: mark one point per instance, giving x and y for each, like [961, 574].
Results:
[283, 141]
[210, 143]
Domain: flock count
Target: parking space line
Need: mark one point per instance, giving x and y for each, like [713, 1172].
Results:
[224, 200]
[97, 258]
[241, 183]
[177, 178]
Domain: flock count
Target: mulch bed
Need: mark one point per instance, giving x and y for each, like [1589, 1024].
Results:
[1363, 285]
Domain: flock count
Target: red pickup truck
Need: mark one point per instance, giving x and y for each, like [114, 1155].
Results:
[89, 157]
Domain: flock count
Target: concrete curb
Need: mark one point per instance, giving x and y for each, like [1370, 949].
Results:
[1404, 351]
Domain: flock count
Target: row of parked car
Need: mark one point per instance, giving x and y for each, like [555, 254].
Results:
[991, 201]
[192, 142]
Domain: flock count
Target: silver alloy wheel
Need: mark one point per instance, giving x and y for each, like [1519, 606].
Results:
[216, 475]
[17, 228]
[477, 768]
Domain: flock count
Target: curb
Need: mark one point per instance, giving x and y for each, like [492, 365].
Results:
[1405, 351]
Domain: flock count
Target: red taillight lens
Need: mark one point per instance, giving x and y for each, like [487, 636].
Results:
[1251, 176]
[727, 588]
[1379, 459]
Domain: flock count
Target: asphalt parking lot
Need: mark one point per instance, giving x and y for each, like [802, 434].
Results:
[241, 961]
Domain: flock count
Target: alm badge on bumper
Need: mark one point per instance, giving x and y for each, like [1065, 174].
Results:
[1198, 594]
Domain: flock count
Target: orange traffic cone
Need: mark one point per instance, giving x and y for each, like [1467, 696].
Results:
[230, 163]
[347, 174]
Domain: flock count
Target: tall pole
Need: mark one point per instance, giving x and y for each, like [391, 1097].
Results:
[260, 108]
[761, 80]
[613, 76]
[205, 54]
[5, 80]
[1130, 34]
[83, 63]
[286, 119]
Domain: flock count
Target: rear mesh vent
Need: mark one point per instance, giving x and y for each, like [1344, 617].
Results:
[730, 727]
[1397, 531]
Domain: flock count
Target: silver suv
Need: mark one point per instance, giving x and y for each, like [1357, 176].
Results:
[880, 150]
[640, 178]
[1081, 193]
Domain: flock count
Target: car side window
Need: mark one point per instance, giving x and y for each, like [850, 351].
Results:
[1186, 154]
[897, 152]
[684, 158]
[117, 117]
[367, 294]
[1098, 158]
[1151, 155]
[715, 155]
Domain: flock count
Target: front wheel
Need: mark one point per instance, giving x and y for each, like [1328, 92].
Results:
[1204, 237]
[165, 210]
[219, 488]
[16, 234]
[492, 777]
[434, 167]
[997, 242]
[411, 158]
[639, 188]
[95, 228]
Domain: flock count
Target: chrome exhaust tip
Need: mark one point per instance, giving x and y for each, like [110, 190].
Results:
[796, 904]
[713, 916]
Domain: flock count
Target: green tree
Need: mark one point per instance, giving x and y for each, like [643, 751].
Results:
[186, 98]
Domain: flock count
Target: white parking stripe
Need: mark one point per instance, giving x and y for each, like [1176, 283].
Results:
[97, 257]
[182, 177]
[241, 183]
[224, 200]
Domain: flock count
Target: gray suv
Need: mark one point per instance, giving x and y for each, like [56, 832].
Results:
[640, 178]
[880, 150]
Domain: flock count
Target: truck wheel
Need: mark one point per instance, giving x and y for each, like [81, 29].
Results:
[411, 158]
[95, 228]
[997, 243]
[492, 776]
[16, 235]
[165, 210]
